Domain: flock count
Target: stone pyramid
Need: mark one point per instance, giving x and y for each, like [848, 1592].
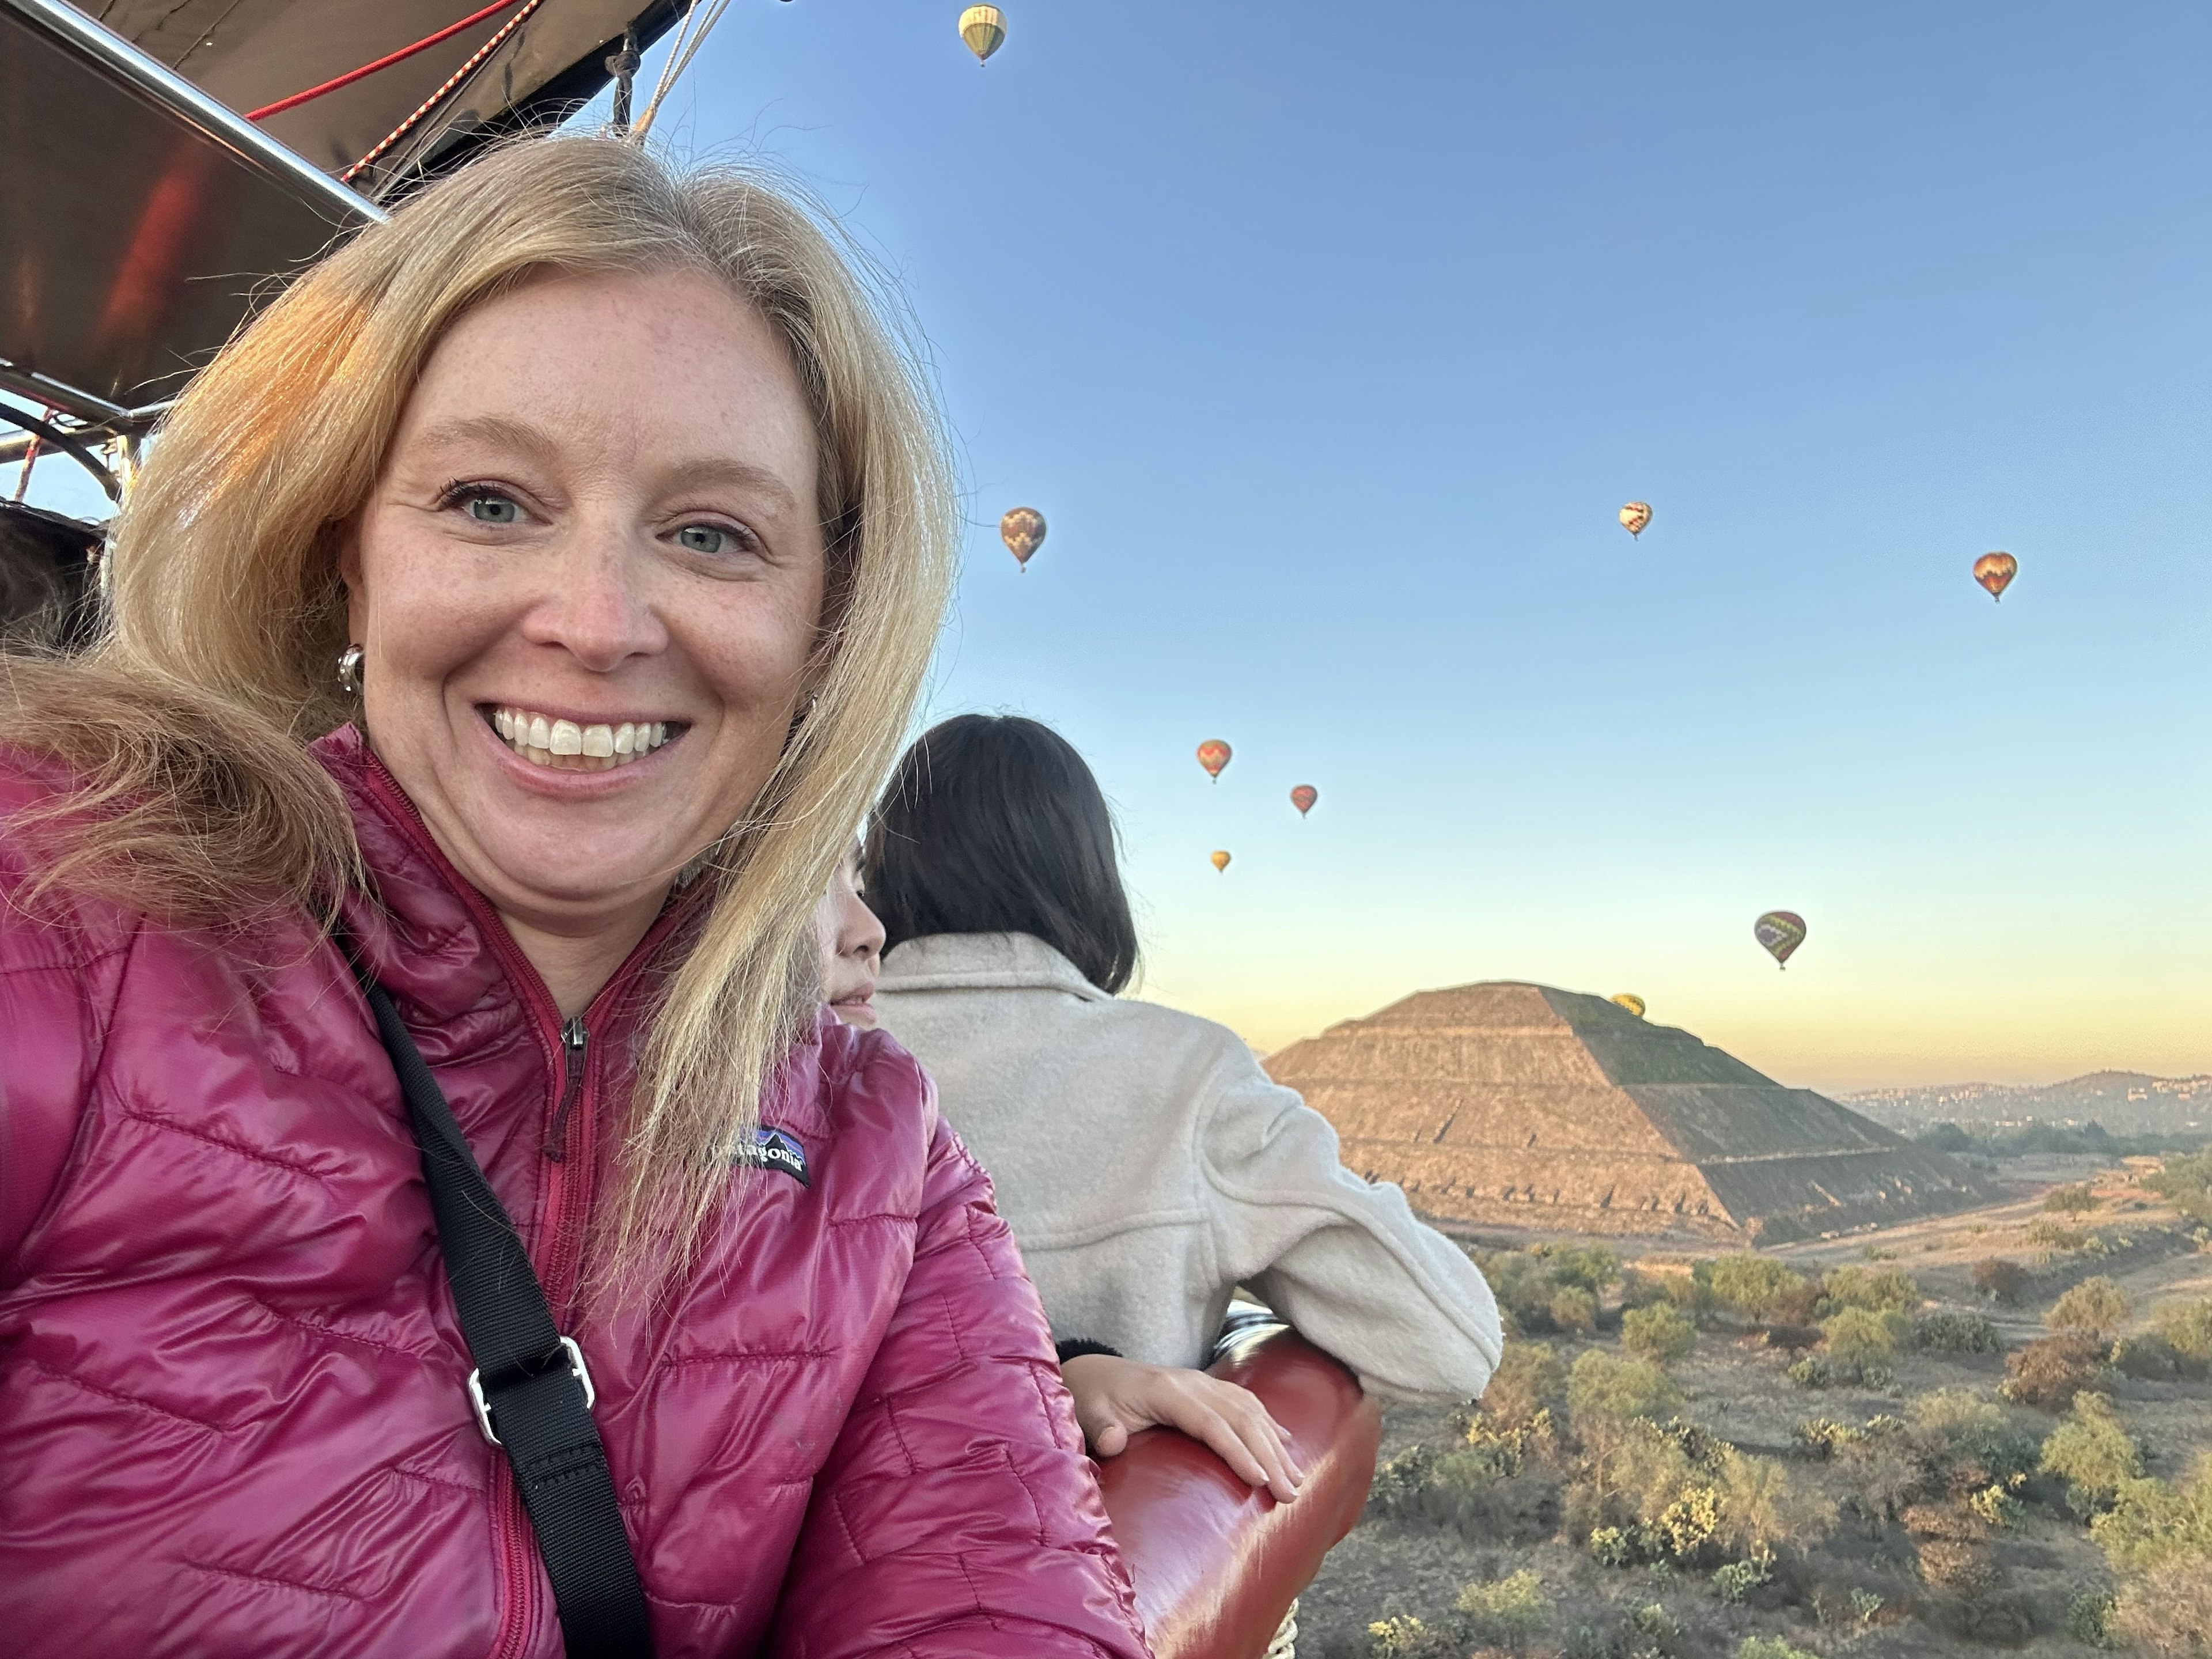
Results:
[1520, 1104]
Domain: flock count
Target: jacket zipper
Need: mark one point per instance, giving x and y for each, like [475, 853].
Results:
[562, 1210]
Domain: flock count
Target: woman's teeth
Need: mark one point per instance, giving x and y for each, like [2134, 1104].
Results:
[567, 747]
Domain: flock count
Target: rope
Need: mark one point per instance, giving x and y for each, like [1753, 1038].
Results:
[385, 62]
[476, 60]
[54, 438]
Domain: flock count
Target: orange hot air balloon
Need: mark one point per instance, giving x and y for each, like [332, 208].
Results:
[1995, 571]
[1023, 532]
[1635, 516]
[1221, 861]
[1632, 1002]
[1213, 755]
[1304, 797]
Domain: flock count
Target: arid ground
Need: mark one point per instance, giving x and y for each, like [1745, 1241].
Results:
[1899, 1570]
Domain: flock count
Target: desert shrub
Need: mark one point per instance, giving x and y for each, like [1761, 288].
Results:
[2050, 1372]
[2002, 1280]
[1759, 1286]
[1584, 1267]
[1656, 1334]
[2187, 1326]
[1612, 1547]
[2168, 1610]
[2049, 1235]
[1693, 1291]
[1861, 1342]
[1884, 1467]
[2150, 1357]
[2096, 1308]
[1734, 1580]
[2070, 1200]
[1689, 1523]
[1956, 1333]
[1812, 1372]
[1866, 1603]
[1506, 1613]
[2089, 1619]
[1522, 1285]
[2186, 1183]
[1529, 1380]
[1573, 1309]
[1818, 1438]
[1994, 1506]
[2151, 1522]
[1649, 1629]
[1771, 1647]
[1642, 1289]
[2093, 1454]
[1888, 1288]
[1409, 1638]
[1602, 1389]
[1762, 1508]
[1971, 1442]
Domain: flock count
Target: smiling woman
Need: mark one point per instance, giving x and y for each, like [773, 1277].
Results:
[523, 607]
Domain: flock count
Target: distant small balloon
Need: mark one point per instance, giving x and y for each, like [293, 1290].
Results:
[1304, 797]
[1221, 861]
[1781, 932]
[1213, 755]
[1995, 571]
[1632, 1002]
[984, 29]
[1022, 530]
[1635, 516]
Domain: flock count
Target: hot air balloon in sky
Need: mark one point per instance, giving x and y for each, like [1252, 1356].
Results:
[1304, 797]
[1632, 1002]
[1781, 932]
[1221, 861]
[984, 29]
[1635, 516]
[1022, 528]
[1213, 755]
[1995, 571]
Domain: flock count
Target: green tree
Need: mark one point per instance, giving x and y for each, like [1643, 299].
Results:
[2093, 1454]
[1529, 1380]
[1603, 1390]
[1887, 1288]
[1763, 1508]
[1757, 1286]
[2187, 1327]
[1862, 1339]
[1586, 1267]
[1573, 1309]
[1657, 1333]
[2096, 1308]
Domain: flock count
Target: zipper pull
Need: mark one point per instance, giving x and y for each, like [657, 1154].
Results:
[574, 1038]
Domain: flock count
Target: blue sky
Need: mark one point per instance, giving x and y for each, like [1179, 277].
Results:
[1330, 339]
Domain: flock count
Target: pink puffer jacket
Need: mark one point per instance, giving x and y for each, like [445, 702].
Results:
[232, 1418]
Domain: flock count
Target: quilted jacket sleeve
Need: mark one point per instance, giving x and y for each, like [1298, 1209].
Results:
[957, 1514]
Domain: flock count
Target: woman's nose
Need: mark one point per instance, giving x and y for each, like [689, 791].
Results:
[596, 605]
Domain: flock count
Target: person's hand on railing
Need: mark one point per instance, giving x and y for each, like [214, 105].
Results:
[1116, 1397]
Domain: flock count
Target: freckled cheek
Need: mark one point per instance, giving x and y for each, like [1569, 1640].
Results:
[433, 608]
[751, 659]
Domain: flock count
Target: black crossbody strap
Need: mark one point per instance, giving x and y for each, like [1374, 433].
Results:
[531, 1391]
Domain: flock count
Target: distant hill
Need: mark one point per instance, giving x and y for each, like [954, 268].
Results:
[2125, 1102]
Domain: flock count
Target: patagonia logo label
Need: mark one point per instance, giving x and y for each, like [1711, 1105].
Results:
[772, 1149]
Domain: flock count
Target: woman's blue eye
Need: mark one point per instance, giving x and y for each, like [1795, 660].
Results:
[703, 539]
[493, 509]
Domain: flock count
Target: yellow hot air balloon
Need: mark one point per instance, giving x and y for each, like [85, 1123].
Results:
[984, 29]
[1635, 516]
[1632, 1002]
[1221, 861]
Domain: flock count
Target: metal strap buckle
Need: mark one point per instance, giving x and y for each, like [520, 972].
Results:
[577, 1369]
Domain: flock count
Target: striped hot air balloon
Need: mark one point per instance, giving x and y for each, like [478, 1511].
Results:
[1635, 516]
[1995, 571]
[1213, 755]
[1304, 797]
[1781, 932]
[984, 29]
[1023, 532]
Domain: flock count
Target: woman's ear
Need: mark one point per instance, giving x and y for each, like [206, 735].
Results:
[349, 575]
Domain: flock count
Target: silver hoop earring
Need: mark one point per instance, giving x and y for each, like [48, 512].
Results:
[350, 670]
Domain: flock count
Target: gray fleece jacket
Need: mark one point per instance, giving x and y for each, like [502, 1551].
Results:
[1148, 1166]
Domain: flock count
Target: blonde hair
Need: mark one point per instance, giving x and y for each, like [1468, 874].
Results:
[187, 725]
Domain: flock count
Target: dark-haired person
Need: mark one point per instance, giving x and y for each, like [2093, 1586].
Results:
[1113, 1397]
[1146, 1164]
